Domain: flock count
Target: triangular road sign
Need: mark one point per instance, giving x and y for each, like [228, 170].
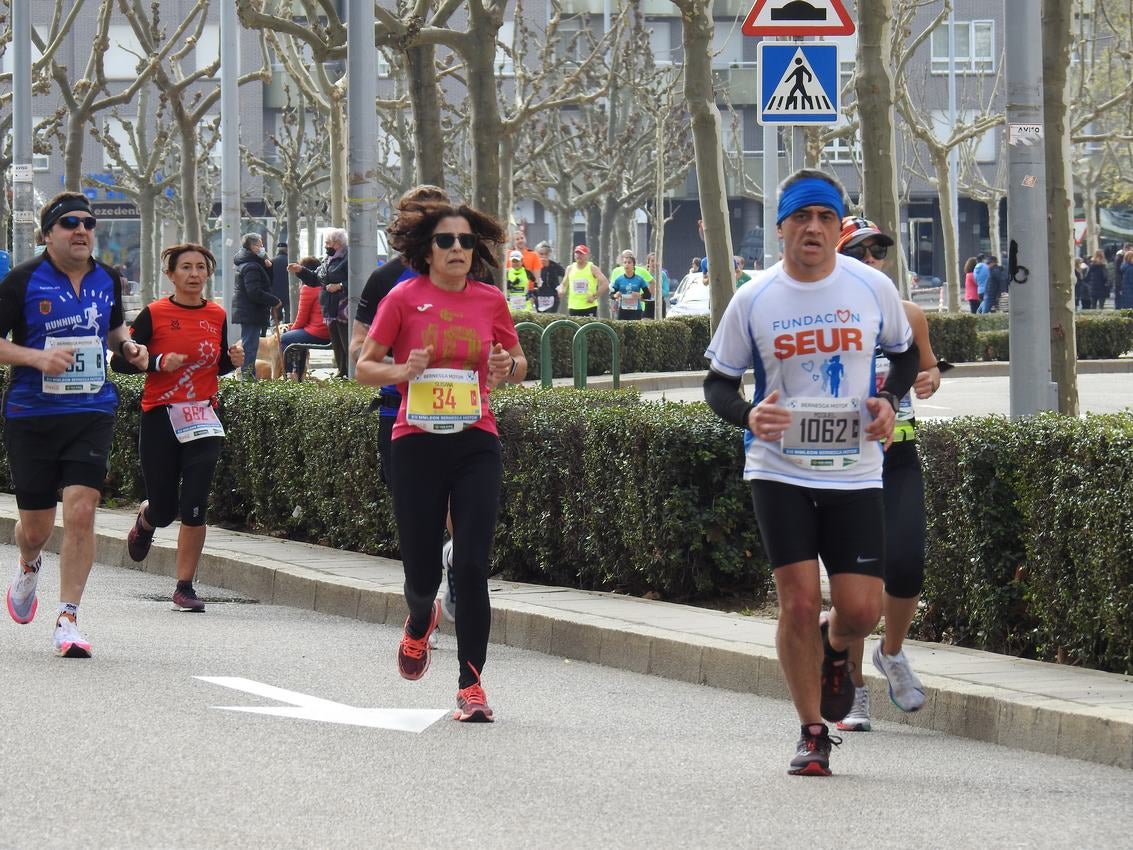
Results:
[798, 18]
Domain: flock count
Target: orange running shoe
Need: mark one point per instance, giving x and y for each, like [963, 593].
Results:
[471, 704]
[413, 653]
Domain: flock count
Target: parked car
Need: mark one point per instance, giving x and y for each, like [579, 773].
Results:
[690, 298]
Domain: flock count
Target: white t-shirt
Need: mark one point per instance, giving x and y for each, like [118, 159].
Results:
[812, 341]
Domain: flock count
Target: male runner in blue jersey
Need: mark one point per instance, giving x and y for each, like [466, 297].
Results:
[63, 309]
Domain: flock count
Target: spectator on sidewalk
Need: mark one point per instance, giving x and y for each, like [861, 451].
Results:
[1097, 280]
[281, 281]
[252, 301]
[308, 327]
[333, 276]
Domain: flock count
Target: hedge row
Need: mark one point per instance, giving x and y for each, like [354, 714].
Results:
[963, 337]
[670, 345]
[1030, 523]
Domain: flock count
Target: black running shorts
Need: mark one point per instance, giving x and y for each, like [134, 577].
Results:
[46, 453]
[845, 527]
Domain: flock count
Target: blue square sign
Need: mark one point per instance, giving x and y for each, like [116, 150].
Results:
[798, 83]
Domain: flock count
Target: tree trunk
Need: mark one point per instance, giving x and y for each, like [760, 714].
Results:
[291, 200]
[698, 29]
[1057, 19]
[876, 96]
[1089, 192]
[423, 94]
[952, 267]
[507, 187]
[336, 123]
[146, 260]
[485, 129]
[191, 213]
[73, 152]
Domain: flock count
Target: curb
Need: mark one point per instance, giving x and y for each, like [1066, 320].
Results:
[640, 643]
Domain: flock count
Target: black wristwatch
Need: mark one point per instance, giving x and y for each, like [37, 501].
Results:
[889, 397]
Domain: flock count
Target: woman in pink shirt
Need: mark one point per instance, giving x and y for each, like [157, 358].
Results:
[971, 288]
[452, 340]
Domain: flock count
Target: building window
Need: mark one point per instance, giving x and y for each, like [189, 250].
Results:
[975, 48]
[120, 62]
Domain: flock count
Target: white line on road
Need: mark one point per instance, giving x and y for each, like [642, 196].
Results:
[307, 707]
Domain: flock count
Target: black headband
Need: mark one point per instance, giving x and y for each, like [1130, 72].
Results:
[56, 212]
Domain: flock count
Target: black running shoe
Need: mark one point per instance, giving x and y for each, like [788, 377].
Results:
[812, 758]
[837, 688]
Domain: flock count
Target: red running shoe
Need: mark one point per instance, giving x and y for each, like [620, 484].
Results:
[471, 704]
[413, 653]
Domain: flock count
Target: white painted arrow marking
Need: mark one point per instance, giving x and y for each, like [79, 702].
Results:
[307, 707]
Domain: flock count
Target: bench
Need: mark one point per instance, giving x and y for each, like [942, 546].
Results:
[309, 346]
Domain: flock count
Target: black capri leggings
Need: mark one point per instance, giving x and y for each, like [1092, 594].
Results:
[428, 471]
[904, 521]
[178, 475]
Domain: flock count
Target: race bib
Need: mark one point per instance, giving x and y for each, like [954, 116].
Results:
[193, 420]
[631, 300]
[580, 286]
[87, 374]
[517, 302]
[444, 401]
[543, 303]
[825, 433]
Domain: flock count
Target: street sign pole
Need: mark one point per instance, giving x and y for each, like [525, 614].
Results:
[229, 148]
[770, 185]
[23, 191]
[1032, 390]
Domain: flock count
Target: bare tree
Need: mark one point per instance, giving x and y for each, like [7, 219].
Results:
[919, 125]
[700, 98]
[142, 173]
[1059, 201]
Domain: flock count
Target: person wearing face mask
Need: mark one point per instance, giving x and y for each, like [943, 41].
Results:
[253, 300]
[333, 275]
[903, 496]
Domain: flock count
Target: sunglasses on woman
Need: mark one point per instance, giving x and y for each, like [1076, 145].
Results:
[879, 252]
[72, 222]
[445, 240]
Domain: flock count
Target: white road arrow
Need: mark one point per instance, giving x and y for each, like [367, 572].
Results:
[306, 707]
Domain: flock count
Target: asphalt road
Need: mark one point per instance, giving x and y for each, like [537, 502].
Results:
[978, 396]
[130, 749]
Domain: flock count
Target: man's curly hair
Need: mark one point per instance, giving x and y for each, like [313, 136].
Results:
[411, 234]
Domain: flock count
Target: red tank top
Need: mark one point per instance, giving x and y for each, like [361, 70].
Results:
[195, 332]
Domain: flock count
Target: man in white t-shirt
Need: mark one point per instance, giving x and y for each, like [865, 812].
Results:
[814, 440]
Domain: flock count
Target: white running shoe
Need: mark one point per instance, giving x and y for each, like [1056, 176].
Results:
[905, 689]
[22, 601]
[448, 592]
[69, 641]
[858, 718]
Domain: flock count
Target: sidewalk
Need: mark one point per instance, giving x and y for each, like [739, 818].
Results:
[1027, 705]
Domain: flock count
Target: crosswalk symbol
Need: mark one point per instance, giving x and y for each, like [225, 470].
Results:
[798, 83]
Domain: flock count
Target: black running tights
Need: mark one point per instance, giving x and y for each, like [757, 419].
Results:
[430, 472]
[178, 476]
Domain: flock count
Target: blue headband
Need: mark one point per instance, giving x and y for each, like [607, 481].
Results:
[809, 192]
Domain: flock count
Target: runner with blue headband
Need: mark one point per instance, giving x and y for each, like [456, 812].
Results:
[814, 437]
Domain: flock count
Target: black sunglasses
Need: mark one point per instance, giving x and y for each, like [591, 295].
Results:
[879, 252]
[72, 222]
[445, 240]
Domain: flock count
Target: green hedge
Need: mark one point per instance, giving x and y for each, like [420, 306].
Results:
[1030, 523]
[669, 345]
[960, 338]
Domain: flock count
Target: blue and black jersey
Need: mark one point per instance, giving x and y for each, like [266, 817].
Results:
[37, 301]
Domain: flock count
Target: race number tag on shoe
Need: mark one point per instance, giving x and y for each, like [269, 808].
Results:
[87, 374]
[193, 420]
[825, 433]
[444, 401]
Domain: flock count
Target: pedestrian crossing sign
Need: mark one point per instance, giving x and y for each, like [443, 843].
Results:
[798, 83]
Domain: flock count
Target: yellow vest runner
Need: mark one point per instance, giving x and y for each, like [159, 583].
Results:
[517, 288]
[582, 287]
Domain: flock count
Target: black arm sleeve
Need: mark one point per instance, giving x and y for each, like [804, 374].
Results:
[141, 332]
[224, 364]
[723, 396]
[903, 370]
[378, 286]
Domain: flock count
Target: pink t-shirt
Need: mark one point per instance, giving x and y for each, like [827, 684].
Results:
[461, 327]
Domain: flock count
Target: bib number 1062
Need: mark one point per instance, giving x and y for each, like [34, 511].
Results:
[827, 430]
